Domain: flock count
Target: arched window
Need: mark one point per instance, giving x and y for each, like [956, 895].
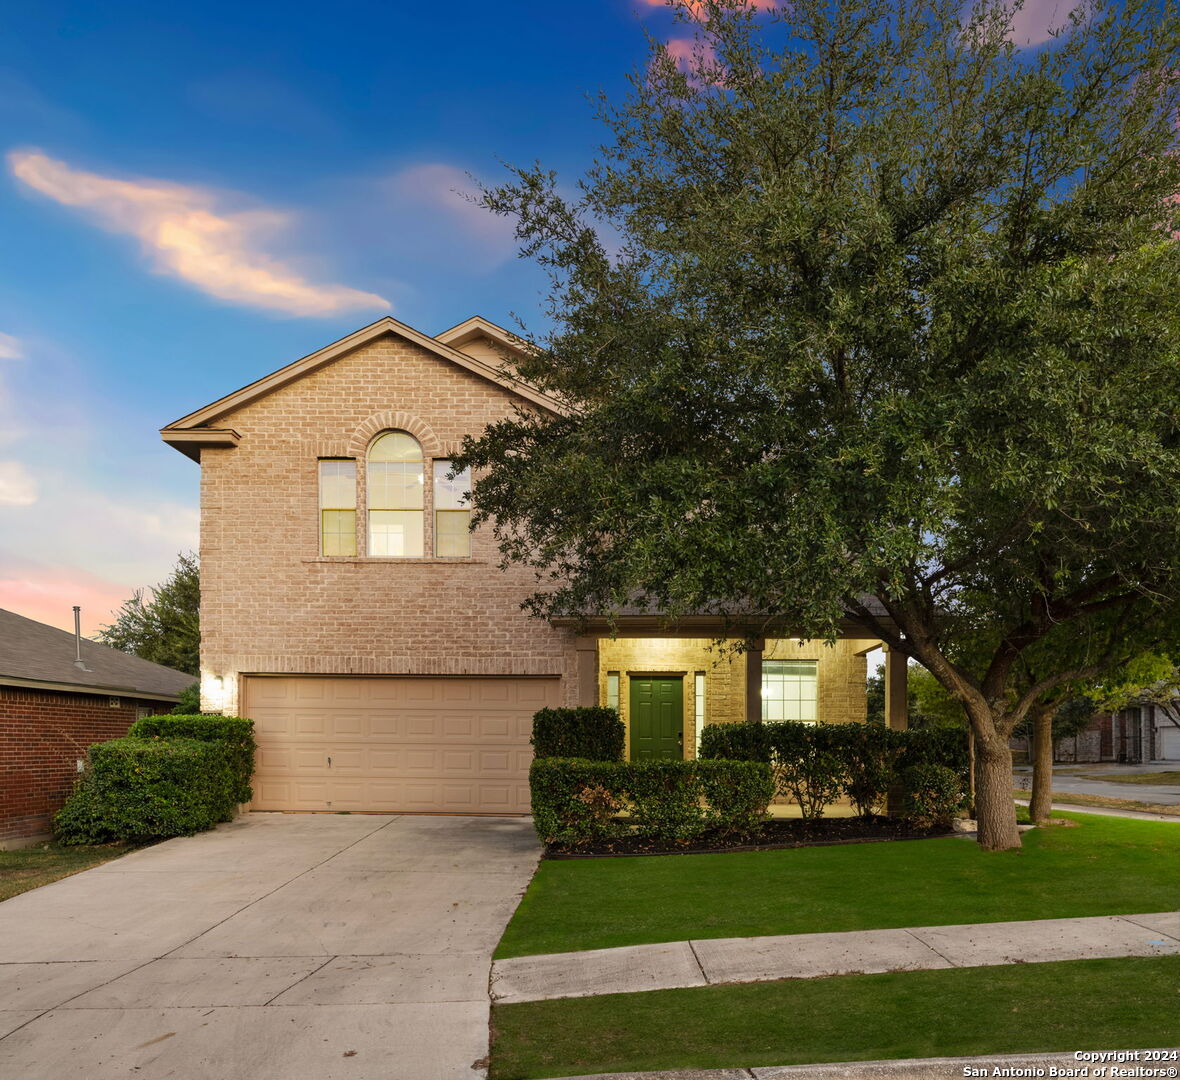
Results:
[396, 484]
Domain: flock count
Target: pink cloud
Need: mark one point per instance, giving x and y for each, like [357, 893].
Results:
[697, 8]
[688, 54]
[1034, 22]
[184, 232]
[48, 594]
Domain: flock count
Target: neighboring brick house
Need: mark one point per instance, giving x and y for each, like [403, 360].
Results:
[53, 707]
[380, 650]
[1140, 733]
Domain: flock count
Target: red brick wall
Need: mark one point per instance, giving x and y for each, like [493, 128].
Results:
[42, 735]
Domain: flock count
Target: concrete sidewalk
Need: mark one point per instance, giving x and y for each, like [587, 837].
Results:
[680, 964]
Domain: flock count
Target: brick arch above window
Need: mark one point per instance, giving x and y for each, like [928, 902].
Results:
[391, 420]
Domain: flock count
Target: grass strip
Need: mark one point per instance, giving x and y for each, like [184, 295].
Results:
[1171, 776]
[1072, 1005]
[31, 867]
[1105, 866]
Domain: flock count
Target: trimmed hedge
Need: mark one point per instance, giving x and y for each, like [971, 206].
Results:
[145, 789]
[233, 732]
[814, 764]
[933, 793]
[576, 801]
[592, 732]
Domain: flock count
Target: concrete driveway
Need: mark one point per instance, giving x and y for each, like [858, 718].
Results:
[277, 947]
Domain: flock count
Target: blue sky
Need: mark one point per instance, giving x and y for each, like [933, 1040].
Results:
[195, 194]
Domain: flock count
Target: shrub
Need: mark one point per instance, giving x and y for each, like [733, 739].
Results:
[868, 755]
[933, 793]
[577, 802]
[145, 789]
[934, 746]
[807, 766]
[190, 701]
[735, 742]
[591, 732]
[736, 795]
[665, 799]
[232, 732]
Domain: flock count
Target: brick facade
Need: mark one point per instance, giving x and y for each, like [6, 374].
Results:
[271, 603]
[43, 735]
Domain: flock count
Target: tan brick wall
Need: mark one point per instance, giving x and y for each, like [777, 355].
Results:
[271, 603]
[841, 676]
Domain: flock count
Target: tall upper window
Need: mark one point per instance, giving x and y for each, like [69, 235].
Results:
[337, 507]
[396, 487]
[452, 517]
[789, 690]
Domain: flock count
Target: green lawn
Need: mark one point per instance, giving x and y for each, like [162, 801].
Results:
[1075, 1005]
[1104, 866]
[30, 868]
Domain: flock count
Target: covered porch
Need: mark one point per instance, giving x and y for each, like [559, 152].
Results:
[669, 682]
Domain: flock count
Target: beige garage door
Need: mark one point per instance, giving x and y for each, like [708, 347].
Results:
[457, 745]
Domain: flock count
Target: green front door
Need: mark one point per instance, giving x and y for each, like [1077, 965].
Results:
[657, 719]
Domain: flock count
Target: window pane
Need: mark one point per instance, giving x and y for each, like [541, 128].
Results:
[338, 532]
[395, 533]
[789, 690]
[448, 494]
[338, 485]
[612, 690]
[452, 537]
[395, 485]
[395, 446]
[698, 696]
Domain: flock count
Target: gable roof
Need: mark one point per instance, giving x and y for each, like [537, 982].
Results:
[197, 429]
[476, 327]
[34, 654]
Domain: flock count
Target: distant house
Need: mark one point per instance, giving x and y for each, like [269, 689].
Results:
[53, 707]
[1135, 735]
[1132, 736]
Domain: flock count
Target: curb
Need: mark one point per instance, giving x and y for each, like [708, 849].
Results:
[1034, 1065]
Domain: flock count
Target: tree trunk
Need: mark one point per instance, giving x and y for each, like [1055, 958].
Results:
[995, 809]
[1041, 801]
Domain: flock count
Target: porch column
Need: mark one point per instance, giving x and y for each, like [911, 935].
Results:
[754, 682]
[897, 696]
[587, 669]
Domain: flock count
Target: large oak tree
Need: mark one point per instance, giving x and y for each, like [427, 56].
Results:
[872, 312]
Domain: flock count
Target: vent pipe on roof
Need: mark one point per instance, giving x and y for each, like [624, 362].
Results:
[78, 661]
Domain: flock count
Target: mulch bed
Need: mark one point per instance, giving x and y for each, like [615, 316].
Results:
[777, 834]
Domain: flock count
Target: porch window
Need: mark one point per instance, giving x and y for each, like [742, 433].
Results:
[698, 705]
[337, 507]
[396, 489]
[789, 690]
[452, 516]
[612, 690]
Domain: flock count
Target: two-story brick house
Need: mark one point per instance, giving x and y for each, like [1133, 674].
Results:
[382, 652]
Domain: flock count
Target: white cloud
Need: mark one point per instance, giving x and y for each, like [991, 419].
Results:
[17, 486]
[185, 234]
[10, 348]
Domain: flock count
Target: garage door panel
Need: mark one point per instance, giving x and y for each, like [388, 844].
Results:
[416, 744]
